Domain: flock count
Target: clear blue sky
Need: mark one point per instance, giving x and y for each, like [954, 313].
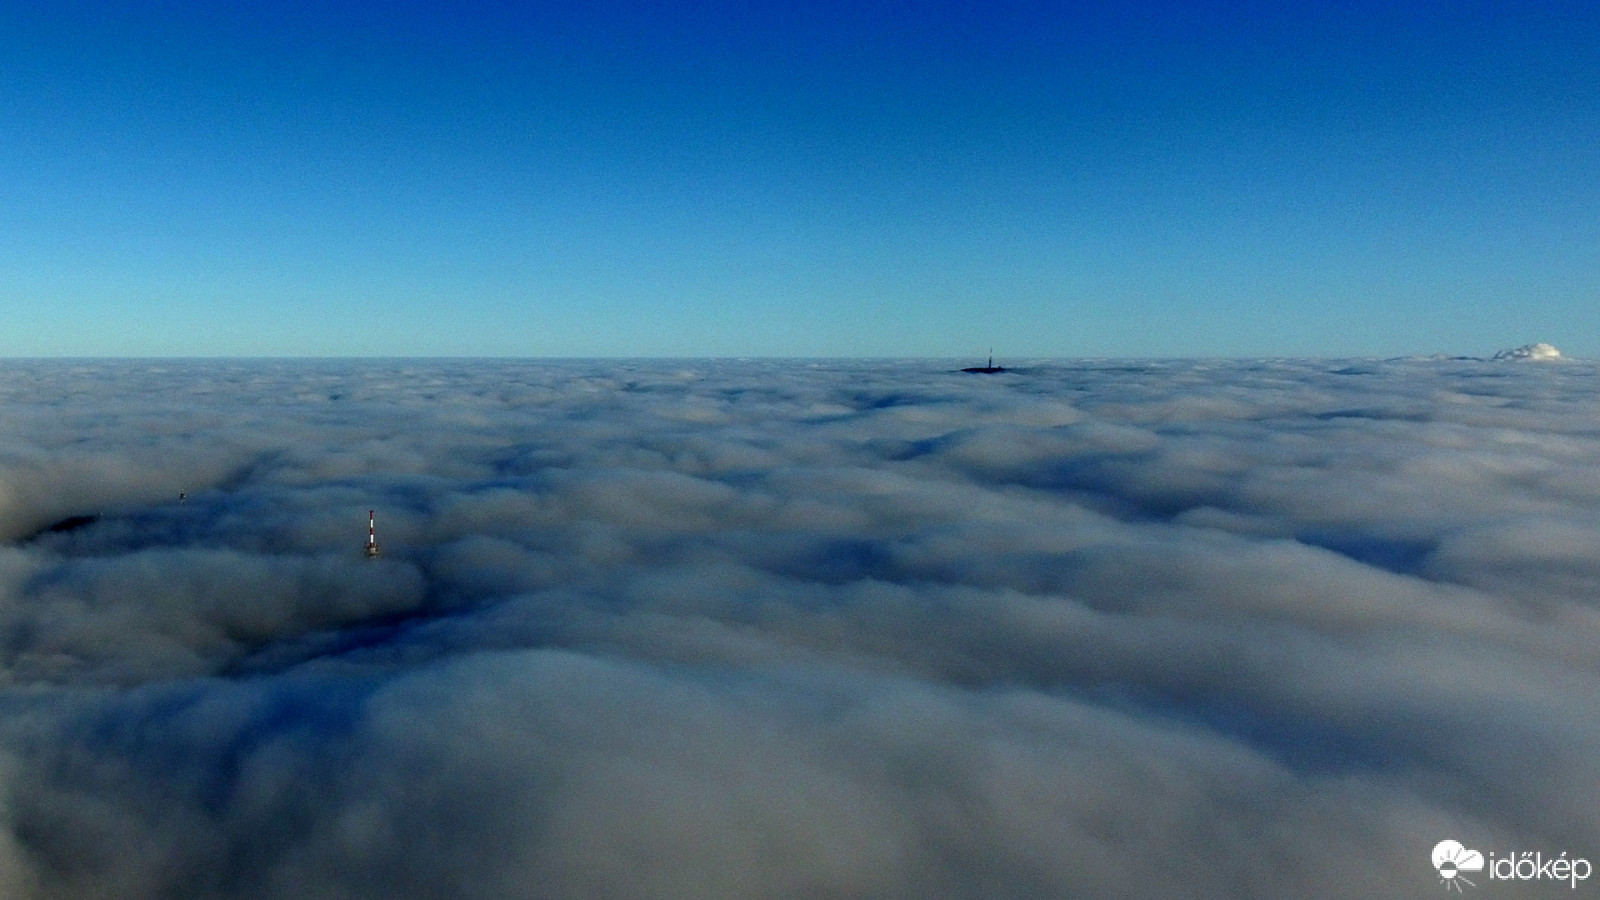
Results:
[779, 178]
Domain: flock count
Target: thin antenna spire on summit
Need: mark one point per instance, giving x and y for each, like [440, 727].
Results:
[990, 369]
[373, 551]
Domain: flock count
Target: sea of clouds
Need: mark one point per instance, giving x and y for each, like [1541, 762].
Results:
[794, 629]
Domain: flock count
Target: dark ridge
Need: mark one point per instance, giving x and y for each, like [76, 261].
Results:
[72, 523]
[990, 369]
[1377, 415]
[65, 526]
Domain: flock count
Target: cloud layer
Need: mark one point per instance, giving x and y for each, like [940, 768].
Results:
[753, 629]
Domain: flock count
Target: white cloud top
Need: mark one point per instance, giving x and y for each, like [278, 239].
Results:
[1540, 352]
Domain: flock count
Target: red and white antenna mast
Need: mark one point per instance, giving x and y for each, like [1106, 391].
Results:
[372, 535]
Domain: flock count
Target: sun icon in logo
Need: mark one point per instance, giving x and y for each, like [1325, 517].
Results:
[1451, 859]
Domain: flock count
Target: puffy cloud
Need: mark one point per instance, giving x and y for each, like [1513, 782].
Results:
[793, 629]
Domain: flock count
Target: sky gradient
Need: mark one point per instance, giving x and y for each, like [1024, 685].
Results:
[864, 179]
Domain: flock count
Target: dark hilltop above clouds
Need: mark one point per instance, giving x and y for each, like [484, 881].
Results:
[1540, 352]
[790, 629]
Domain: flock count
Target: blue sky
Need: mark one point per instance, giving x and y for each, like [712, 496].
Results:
[579, 179]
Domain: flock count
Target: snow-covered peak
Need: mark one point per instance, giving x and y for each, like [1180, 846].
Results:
[1537, 352]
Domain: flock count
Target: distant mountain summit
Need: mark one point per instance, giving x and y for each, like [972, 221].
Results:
[1533, 352]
